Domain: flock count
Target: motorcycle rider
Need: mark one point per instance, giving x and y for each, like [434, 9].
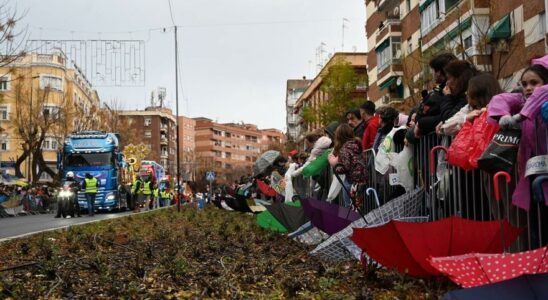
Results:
[75, 187]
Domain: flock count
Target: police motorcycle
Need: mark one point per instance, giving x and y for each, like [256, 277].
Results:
[67, 202]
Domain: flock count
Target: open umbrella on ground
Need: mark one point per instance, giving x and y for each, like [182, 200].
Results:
[329, 218]
[290, 214]
[266, 189]
[238, 203]
[476, 269]
[339, 247]
[526, 287]
[281, 217]
[406, 245]
[264, 161]
[267, 221]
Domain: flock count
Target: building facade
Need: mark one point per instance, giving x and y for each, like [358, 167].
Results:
[314, 96]
[230, 149]
[272, 138]
[499, 37]
[48, 91]
[294, 89]
[156, 128]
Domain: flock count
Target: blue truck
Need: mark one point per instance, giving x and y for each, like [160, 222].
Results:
[98, 154]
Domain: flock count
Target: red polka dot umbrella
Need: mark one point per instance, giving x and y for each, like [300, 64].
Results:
[471, 270]
[407, 246]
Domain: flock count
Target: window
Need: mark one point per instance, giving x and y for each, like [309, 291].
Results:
[409, 46]
[408, 5]
[148, 122]
[89, 159]
[4, 144]
[468, 43]
[49, 143]
[430, 17]
[389, 53]
[228, 155]
[4, 112]
[4, 83]
[148, 133]
[542, 25]
[51, 111]
[217, 132]
[52, 82]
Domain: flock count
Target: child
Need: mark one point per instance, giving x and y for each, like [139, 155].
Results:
[522, 110]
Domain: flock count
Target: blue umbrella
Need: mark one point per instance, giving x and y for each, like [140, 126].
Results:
[525, 287]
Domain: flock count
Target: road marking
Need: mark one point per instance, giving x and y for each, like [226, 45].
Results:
[77, 224]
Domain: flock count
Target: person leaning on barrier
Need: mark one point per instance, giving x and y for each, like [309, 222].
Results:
[429, 112]
[354, 119]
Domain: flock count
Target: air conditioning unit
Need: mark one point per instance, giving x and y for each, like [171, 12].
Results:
[385, 99]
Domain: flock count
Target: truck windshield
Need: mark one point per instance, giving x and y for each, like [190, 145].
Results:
[89, 159]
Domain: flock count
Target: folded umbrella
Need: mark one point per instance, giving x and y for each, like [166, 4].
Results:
[406, 245]
[526, 287]
[476, 269]
[328, 217]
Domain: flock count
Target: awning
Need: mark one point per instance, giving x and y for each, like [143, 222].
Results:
[388, 83]
[460, 28]
[383, 45]
[424, 5]
[501, 30]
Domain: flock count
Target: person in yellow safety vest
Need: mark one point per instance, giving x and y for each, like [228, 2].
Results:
[146, 190]
[156, 194]
[136, 193]
[165, 198]
[90, 186]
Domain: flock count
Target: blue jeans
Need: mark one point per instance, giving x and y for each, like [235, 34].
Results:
[90, 198]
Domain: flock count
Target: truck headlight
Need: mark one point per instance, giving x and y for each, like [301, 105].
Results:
[111, 197]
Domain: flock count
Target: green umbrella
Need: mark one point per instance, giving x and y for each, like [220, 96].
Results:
[267, 221]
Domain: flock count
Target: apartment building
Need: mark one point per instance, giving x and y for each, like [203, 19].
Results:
[156, 128]
[403, 35]
[272, 138]
[43, 88]
[230, 149]
[314, 96]
[294, 89]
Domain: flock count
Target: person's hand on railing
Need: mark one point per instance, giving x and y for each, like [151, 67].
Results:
[510, 121]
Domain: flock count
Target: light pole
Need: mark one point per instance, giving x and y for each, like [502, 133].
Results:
[177, 126]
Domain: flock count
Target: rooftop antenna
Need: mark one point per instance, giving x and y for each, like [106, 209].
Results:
[344, 21]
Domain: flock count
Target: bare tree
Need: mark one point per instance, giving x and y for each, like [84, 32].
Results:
[11, 38]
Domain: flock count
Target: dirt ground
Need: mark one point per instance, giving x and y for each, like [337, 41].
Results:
[198, 254]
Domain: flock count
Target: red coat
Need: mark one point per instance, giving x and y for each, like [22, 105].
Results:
[371, 127]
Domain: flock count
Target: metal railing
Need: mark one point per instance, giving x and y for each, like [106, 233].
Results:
[450, 191]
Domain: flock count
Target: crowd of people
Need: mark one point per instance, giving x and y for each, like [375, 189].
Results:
[31, 199]
[375, 144]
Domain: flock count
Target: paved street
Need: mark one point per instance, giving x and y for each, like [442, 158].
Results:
[25, 225]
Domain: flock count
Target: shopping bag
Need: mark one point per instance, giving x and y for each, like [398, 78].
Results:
[458, 153]
[483, 133]
[501, 154]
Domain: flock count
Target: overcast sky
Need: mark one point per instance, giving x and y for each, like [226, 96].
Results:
[235, 55]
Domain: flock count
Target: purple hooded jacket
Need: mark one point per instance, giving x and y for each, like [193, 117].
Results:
[531, 144]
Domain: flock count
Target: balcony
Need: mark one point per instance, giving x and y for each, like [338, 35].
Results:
[164, 155]
[390, 27]
[164, 141]
[163, 128]
[388, 5]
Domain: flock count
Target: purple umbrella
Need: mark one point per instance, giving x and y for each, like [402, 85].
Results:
[330, 218]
